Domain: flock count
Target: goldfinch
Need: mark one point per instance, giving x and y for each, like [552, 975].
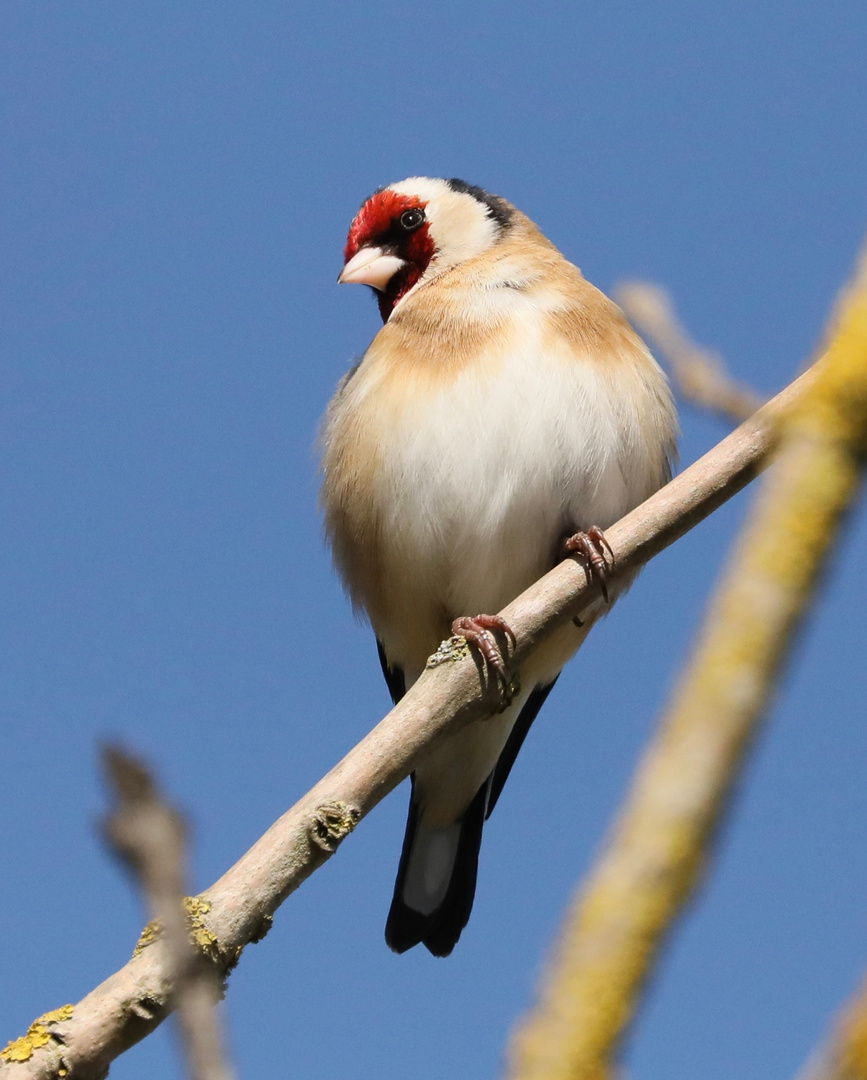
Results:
[505, 406]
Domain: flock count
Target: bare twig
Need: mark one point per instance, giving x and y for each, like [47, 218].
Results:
[133, 1001]
[699, 374]
[150, 837]
[661, 841]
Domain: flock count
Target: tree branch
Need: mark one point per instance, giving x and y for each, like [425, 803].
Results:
[660, 844]
[238, 908]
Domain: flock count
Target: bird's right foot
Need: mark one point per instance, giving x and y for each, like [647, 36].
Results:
[477, 631]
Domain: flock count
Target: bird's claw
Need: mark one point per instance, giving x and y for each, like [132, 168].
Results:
[476, 630]
[592, 547]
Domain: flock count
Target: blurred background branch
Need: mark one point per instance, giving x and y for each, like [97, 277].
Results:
[149, 836]
[698, 374]
[659, 847]
[844, 1056]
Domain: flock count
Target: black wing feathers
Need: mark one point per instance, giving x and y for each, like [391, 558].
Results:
[394, 678]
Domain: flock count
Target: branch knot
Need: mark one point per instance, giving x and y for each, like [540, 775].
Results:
[331, 823]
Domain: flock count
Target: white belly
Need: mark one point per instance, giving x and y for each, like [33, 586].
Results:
[479, 481]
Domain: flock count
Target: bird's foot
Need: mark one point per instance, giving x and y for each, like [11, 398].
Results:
[592, 547]
[476, 630]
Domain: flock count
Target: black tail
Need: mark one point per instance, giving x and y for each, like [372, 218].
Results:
[439, 929]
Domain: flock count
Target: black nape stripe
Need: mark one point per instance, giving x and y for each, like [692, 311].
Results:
[498, 208]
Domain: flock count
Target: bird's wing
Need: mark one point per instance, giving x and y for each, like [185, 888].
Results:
[394, 677]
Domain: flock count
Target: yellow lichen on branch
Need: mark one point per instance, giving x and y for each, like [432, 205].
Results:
[38, 1034]
[656, 852]
[205, 939]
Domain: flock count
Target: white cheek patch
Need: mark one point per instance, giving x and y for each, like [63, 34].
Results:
[460, 225]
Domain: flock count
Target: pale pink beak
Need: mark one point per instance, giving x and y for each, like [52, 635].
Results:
[370, 266]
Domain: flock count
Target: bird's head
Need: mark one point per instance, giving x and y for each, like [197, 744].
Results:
[410, 232]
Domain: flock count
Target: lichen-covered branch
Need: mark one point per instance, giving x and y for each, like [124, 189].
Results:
[699, 375]
[660, 843]
[237, 910]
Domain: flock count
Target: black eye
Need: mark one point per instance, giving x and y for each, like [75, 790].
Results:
[410, 220]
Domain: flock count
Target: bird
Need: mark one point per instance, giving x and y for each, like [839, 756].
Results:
[504, 415]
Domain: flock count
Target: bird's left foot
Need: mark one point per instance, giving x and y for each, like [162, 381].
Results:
[592, 547]
[476, 629]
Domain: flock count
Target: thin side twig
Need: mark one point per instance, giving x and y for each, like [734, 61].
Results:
[661, 842]
[699, 374]
[238, 908]
[149, 836]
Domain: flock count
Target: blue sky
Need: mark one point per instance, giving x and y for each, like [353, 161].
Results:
[177, 184]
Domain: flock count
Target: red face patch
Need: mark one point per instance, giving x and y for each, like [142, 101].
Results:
[377, 224]
[375, 219]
